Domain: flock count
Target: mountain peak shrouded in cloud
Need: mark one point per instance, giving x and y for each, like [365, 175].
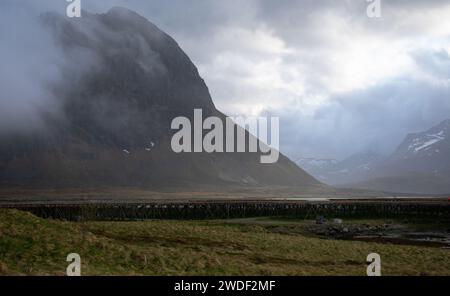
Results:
[357, 167]
[336, 78]
[122, 82]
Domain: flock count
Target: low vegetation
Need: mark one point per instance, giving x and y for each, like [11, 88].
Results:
[33, 246]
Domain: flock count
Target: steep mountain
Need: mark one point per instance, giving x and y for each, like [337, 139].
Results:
[427, 152]
[317, 167]
[420, 164]
[355, 168]
[122, 83]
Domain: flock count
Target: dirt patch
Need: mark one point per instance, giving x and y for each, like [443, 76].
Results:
[171, 242]
[288, 261]
[3, 268]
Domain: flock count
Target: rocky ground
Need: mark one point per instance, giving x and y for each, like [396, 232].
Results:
[389, 232]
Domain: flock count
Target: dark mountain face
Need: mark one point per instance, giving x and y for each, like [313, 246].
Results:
[427, 151]
[136, 79]
[421, 164]
[123, 82]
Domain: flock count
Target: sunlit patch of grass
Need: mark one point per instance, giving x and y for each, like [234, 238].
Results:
[30, 245]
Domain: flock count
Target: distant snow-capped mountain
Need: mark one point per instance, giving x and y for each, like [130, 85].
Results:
[425, 144]
[316, 163]
[331, 171]
[424, 152]
[420, 164]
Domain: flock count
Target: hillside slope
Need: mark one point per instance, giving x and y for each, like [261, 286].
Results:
[420, 164]
[123, 81]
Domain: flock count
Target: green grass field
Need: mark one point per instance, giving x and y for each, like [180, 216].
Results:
[34, 246]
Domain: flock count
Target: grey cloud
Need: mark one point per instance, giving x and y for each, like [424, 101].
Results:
[436, 63]
[29, 60]
[373, 117]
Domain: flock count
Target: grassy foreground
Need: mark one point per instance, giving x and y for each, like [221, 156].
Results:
[34, 246]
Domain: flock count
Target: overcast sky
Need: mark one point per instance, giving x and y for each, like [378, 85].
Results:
[341, 82]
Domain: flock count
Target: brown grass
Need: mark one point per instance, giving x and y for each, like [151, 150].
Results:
[34, 246]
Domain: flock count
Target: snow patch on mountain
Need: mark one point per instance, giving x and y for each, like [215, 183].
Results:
[317, 162]
[334, 172]
[426, 142]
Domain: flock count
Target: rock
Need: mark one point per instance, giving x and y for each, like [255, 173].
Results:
[320, 220]
[337, 221]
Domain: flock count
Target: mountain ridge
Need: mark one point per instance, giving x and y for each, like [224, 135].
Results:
[125, 80]
[419, 165]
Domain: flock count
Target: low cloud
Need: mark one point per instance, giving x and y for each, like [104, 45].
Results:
[30, 65]
[340, 81]
[375, 119]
